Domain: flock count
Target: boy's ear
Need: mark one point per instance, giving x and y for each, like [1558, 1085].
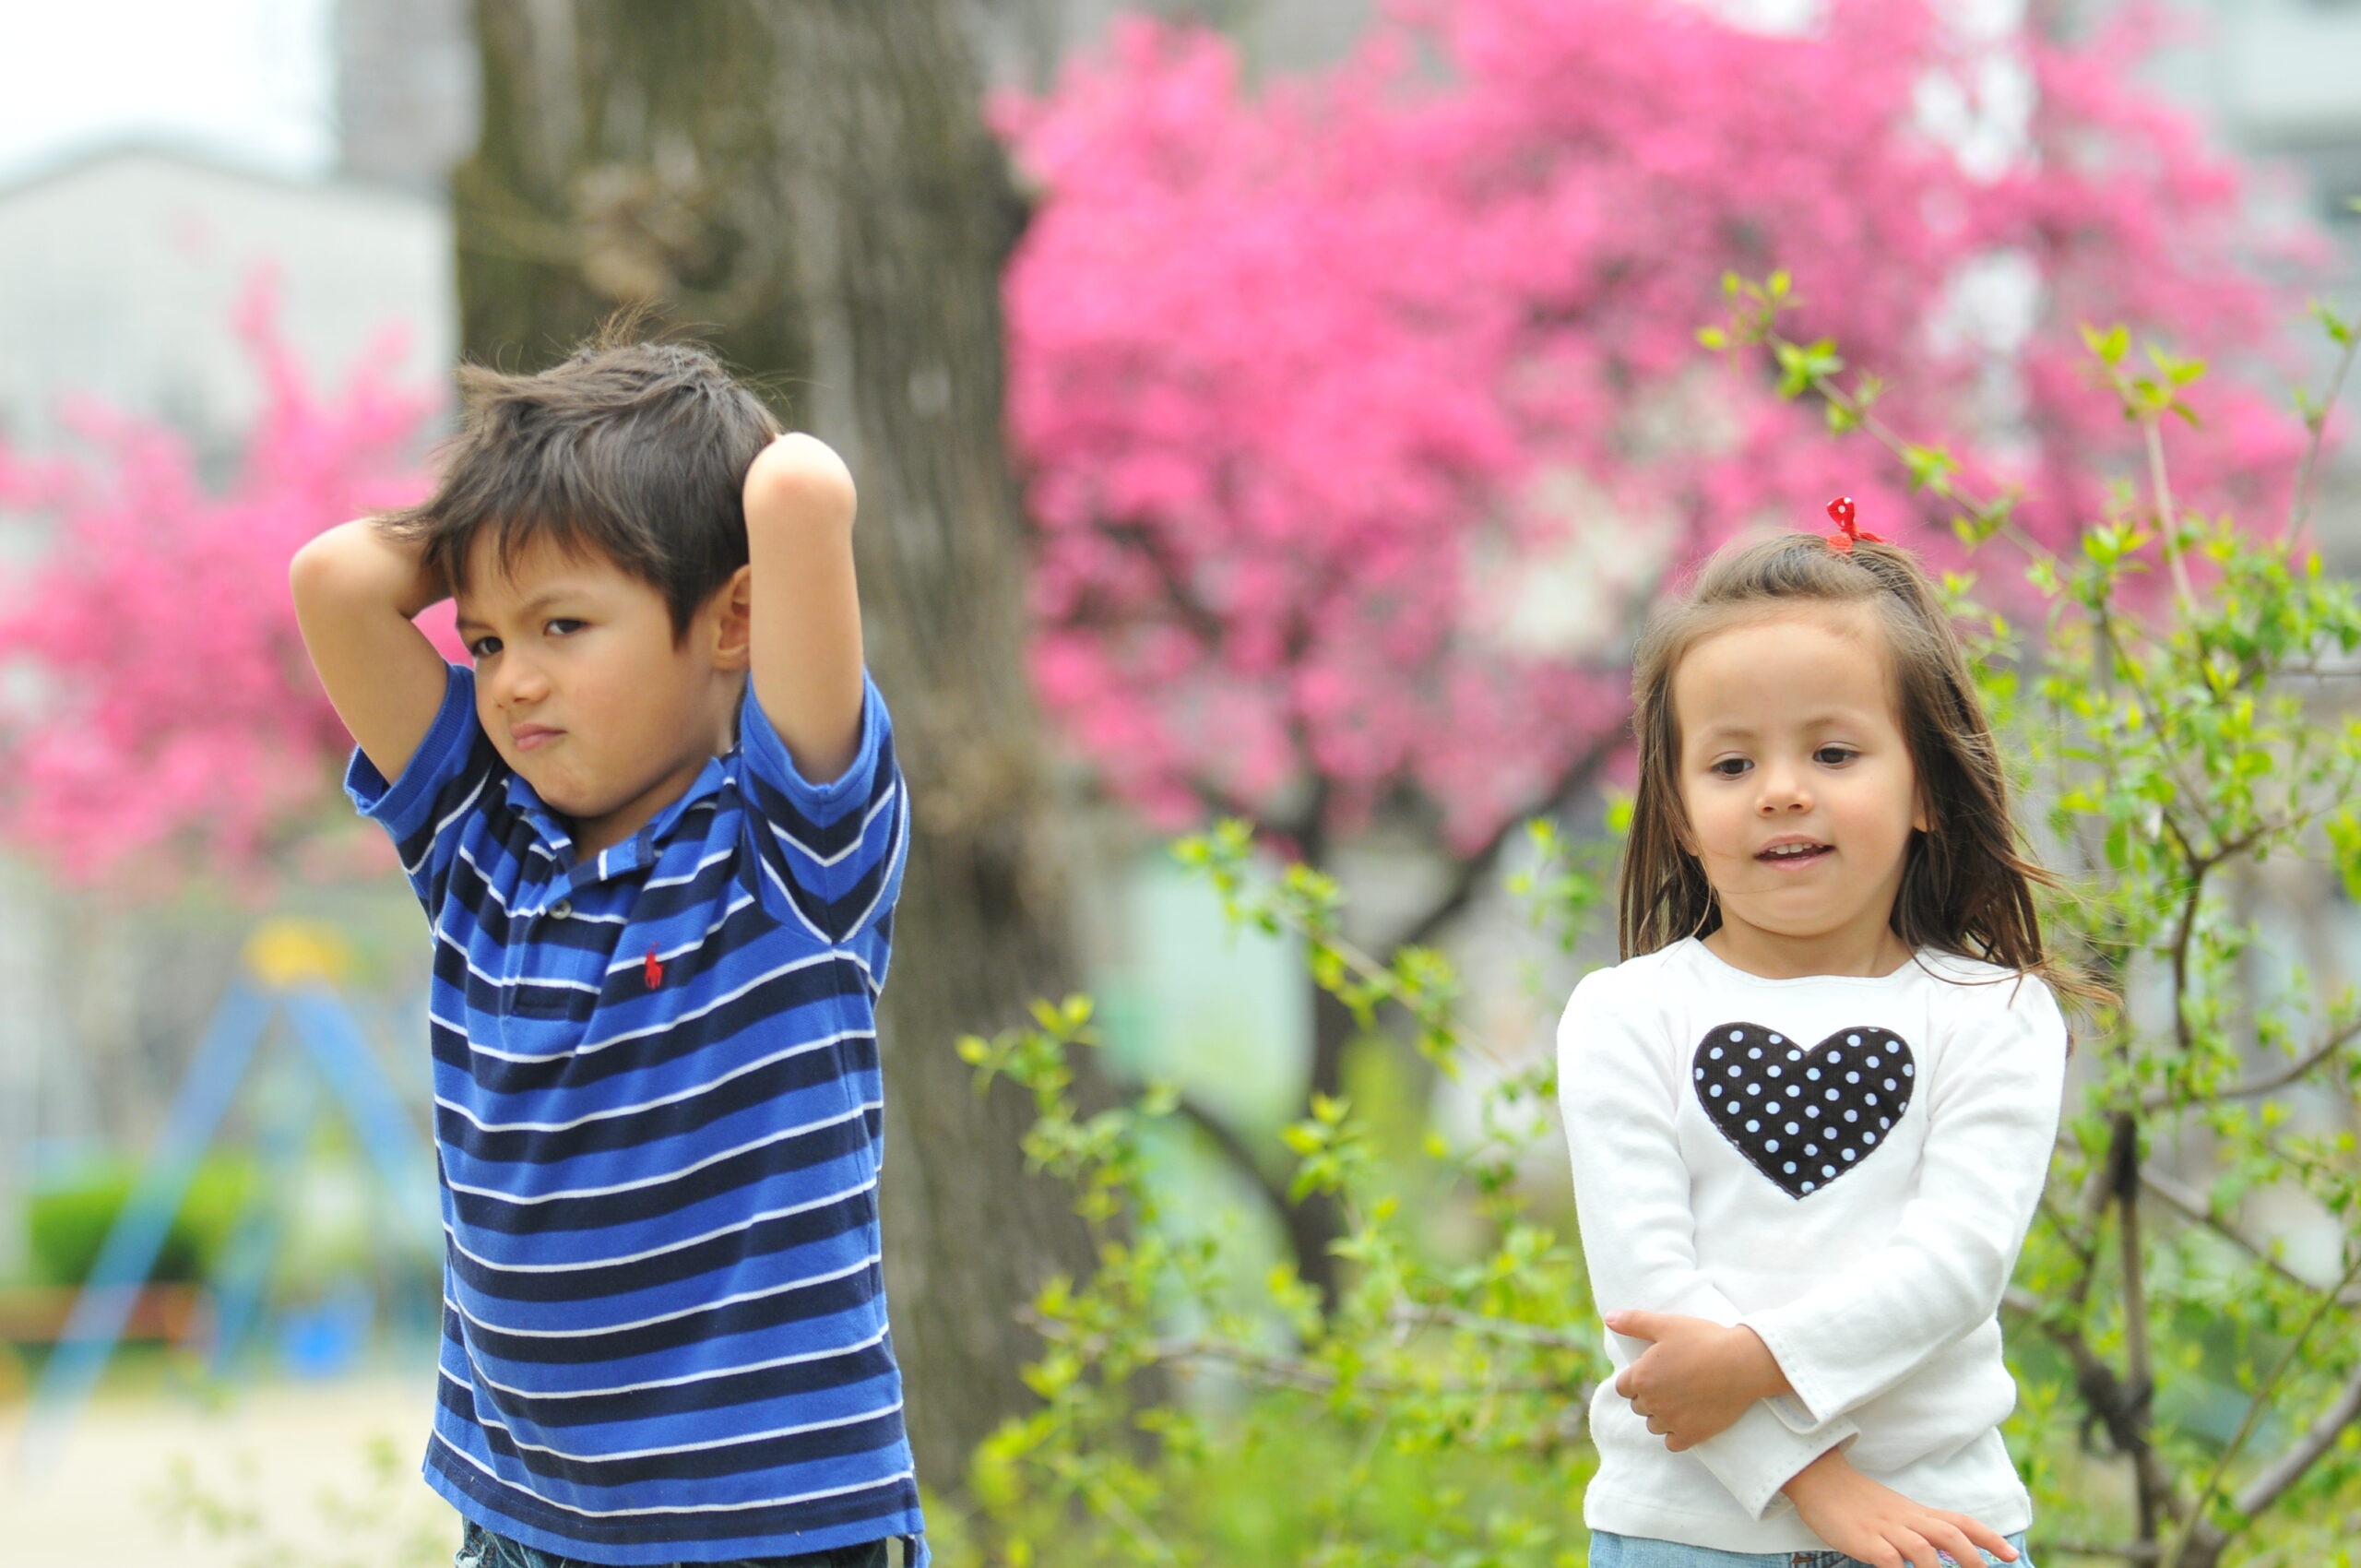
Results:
[733, 603]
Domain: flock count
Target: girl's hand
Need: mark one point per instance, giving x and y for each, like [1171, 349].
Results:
[1696, 1377]
[1881, 1527]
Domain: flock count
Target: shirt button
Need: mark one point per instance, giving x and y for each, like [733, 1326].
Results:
[562, 909]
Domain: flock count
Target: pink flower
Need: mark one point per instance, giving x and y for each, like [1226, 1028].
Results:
[158, 716]
[1290, 373]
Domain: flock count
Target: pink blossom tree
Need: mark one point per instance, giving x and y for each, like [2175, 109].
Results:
[1364, 415]
[157, 717]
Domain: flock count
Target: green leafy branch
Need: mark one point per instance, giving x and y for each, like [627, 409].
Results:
[2190, 1382]
[1814, 368]
[2171, 753]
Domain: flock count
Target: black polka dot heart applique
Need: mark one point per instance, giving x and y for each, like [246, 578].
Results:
[1804, 1114]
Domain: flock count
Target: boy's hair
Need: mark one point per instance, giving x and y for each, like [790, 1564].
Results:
[637, 451]
[1966, 888]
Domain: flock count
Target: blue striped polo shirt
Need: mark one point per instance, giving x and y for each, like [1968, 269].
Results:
[657, 1116]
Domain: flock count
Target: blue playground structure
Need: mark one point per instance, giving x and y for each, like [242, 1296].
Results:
[290, 972]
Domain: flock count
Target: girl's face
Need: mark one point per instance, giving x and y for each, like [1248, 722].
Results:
[1798, 790]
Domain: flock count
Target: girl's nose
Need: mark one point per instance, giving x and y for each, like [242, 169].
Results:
[1783, 791]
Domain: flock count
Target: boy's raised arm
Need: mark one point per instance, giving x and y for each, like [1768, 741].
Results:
[805, 609]
[355, 592]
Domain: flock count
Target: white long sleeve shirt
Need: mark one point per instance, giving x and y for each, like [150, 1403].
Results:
[1869, 1246]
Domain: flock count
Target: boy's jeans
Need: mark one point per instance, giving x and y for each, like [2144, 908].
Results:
[480, 1548]
[1636, 1551]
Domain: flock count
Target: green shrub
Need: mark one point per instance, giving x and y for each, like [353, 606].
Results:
[67, 1219]
[2188, 1390]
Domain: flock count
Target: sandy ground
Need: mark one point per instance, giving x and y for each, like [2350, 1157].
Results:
[291, 1474]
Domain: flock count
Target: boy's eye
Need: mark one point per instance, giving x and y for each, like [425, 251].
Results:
[562, 626]
[484, 648]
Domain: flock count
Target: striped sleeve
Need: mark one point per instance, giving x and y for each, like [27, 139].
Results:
[830, 854]
[426, 809]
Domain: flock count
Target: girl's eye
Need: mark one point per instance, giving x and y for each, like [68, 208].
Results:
[1834, 756]
[1729, 766]
[484, 648]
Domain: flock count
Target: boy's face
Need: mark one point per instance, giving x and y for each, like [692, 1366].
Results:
[583, 690]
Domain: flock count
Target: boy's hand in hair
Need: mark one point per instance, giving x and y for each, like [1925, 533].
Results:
[1696, 1376]
[802, 603]
[805, 470]
[1880, 1527]
[356, 587]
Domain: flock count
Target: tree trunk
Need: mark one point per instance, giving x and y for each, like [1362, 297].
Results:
[808, 184]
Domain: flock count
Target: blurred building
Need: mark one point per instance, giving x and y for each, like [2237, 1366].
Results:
[2278, 82]
[406, 87]
[121, 272]
[2280, 79]
[1024, 41]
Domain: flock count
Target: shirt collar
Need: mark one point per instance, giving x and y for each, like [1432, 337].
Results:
[616, 860]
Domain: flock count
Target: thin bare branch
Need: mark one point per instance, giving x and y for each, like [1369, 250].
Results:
[2167, 520]
[2195, 1520]
[2271, 1082]
[2183, 930]
[2119, 1406]
[2193, 1205]
[2273, 1479]
[2299, 505]
[1233, 1148]
[1311, 1377]
[1472, 872]
[1412, 1316]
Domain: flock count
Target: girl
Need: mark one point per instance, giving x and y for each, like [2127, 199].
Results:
[1812, 1111]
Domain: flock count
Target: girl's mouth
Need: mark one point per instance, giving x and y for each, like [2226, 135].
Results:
[1795, 854]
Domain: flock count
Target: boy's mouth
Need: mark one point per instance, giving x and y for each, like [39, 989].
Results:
[529, 736]
[1793, 853]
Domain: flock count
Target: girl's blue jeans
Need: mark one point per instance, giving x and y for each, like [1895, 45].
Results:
[1637, 1551]
[480, 1548]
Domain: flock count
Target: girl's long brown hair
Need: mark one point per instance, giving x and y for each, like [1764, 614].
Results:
[1966, 889]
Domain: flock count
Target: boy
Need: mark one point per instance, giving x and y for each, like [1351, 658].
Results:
[658, 947]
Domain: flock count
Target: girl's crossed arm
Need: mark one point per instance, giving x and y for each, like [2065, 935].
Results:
[1638, 1232]
[1991, 1126]
[1697, 1376]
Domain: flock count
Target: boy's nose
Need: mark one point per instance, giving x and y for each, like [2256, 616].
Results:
[519, 682]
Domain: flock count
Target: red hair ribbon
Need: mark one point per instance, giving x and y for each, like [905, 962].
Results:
[1841, 509]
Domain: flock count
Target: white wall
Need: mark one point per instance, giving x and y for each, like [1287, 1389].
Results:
[120, 276]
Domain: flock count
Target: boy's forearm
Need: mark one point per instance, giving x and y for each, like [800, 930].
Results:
[805, 604]
[355, 592]
[357, 564]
